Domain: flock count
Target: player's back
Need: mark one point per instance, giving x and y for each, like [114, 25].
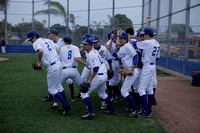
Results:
[49, 51]
[68, 53]
[150, 50]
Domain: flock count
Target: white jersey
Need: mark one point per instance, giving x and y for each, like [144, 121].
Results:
[113, 48]
[106, 55]
[126, 54]
[59, 44]
[151, 50]
[133, 39]
[68, 53]
[49, 51]
[95, 60]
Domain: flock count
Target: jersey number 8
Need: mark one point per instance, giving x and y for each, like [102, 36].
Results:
[69, 54]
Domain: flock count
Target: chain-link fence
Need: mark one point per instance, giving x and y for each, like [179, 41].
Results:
[177, 25]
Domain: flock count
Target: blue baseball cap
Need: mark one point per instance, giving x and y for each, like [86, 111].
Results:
[109, 34]
[67, 39]
[123, 34]
[53, 31]
[149, 31]
[140, 33]
[88, 41]
[87, 35]
[113, 31]
[31, 34]
[95, 38]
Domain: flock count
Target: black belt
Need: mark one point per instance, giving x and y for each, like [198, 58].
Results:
[53, 63]
[100, 74]
[151, 63]
[69, 67]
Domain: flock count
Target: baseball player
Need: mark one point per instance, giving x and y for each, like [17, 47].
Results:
[69, 56]
[53, 35]
[97, 79]
[86, 72]
[48, 55]
[135, 94]
[129, 59]
[113, 89]
[151, 51]
[106, 57]
[154, 102]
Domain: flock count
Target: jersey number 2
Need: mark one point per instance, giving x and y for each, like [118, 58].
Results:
[48, 46]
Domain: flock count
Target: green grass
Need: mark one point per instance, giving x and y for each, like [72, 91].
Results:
[161, 73]
[22, 111]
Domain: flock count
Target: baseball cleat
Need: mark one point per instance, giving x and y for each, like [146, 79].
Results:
[64, 110]
[47, 98]
[73, 99]
[154, 102]
[103, 105]
[133, 114]
[54, 106]
[88, 116]
[144, 115]
[110, 112]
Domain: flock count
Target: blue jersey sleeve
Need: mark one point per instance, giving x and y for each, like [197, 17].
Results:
[115, 55]
[95, 69]
[135, 59]
[134, 44]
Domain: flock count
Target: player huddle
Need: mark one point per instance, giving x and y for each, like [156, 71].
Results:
[123, 59]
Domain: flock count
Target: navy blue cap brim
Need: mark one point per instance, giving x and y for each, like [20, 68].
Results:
[85, 43]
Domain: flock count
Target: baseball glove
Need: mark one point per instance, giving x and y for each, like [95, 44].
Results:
[125, 72]
[35, 67]
[110, 74]
[84, 87]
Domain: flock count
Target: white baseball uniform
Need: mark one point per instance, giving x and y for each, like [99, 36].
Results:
[99, 81]
[86, 72]
[114, 81]
[59, 44]
[50, 59]
[151, 51]
[106, 55]
[126, 54]
[68, 53]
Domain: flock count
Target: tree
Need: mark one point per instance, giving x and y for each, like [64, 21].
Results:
[22, 28]
[179, 28]
[97, 27]
[2, 29]
[121, 21]
[60, 28]
[80, 31]
[55, 9]
[3, 4]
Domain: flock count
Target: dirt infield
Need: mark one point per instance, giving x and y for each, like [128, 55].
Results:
[3, 59]
[178, 108]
